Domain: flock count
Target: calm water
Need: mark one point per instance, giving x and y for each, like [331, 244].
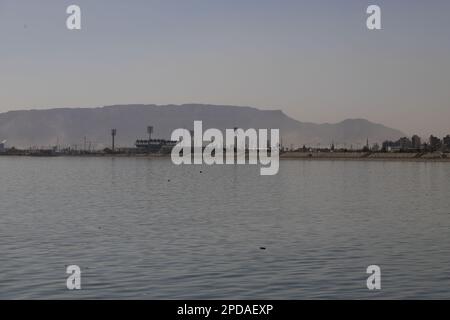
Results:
[135, 234]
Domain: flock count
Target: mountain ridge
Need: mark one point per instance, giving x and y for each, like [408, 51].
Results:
[69, 126]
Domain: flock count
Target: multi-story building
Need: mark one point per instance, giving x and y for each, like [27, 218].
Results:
[435, 143]
[404, 143]
[416, 142]
[446, 141]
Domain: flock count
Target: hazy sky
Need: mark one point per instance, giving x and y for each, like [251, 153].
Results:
[315, 60]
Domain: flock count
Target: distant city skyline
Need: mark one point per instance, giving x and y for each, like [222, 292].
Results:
[314, 60]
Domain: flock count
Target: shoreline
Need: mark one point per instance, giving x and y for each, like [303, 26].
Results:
[308, 156]
[367, 156]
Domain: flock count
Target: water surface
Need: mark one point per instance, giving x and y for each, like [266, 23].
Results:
[146, 229]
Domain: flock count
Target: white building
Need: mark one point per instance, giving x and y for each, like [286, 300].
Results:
[3, 146]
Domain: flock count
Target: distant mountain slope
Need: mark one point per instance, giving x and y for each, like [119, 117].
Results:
[70, 126]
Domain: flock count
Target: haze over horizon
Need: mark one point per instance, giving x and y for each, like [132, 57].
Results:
[314, 60]
[179, 105]
[69, 126]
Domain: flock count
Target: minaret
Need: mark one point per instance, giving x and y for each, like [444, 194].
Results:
[113, 135]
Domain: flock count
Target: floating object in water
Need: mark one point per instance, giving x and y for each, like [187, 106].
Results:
[262, 248]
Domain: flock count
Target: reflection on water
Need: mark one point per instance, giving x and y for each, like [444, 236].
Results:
[143, 228]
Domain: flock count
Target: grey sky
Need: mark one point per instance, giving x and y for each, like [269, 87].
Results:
[315, 60]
